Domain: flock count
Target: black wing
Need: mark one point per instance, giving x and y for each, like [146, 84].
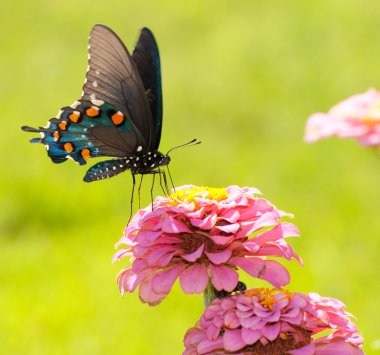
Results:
[112, 76]
[147, 59]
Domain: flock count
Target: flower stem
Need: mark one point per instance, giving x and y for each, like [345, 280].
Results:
[209, 294]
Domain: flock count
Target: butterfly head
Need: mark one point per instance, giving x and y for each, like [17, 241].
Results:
[165, 160]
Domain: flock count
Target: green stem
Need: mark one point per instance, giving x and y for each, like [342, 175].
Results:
[209, 294]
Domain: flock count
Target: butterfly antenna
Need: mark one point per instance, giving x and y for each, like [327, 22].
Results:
[188, 144]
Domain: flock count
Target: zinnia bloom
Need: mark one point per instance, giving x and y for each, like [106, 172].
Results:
[203, 235]
[269, 321]
[356, 117]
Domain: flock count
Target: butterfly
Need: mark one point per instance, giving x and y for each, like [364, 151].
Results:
[119, 114]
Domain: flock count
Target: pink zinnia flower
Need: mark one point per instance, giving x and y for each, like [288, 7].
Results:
[201, 236]
[356, 117]
[269, 321]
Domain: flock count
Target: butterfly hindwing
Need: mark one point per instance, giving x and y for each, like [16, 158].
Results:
[88, 129]
[112, 76]
[147, 60]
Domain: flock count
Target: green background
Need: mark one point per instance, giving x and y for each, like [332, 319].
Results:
[242, 76]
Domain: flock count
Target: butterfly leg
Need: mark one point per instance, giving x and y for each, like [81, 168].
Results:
[140, 189]
[166, 183]
[170, 177]
[133, 192]
[151, 190]
[162, 186]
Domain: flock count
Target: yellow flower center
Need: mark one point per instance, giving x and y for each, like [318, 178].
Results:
[191, 194]
[266, 296]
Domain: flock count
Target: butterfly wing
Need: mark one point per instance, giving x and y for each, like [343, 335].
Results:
[147, 59]
[88, 129]
[112, 76]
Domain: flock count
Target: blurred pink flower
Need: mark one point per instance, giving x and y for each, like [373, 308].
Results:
[356, 117]
[203, 235]
[269, 321]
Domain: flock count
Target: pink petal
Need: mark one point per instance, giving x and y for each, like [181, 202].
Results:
[195, 255]
[250, 336]
[338, 347]
[268, 270]
[172, 225]
[271, 332]
[206, 223]
[223, 277]
[232, 340]
[162, 251]
[221, 239]
[122, 253]
[194, 279]
[208, 347]
[305, 350]
[148, 295]
[231, 215]
[229, 228]
[280, 231]
[163, 281]
[127, 280]
[219, 258]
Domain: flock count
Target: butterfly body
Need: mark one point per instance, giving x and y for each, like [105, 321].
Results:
[119, 114]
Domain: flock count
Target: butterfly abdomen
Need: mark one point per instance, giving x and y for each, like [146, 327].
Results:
[138, 164]
[107, 169]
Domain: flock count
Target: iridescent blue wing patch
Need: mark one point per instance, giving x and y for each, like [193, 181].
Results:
[88, 129]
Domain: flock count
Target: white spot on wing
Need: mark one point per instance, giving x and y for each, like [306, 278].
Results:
[95, 84]
[114, 167]
[97, 72]
[59, 113]
[139, 148]
[92, 97]
[97, 102]
[75, 104]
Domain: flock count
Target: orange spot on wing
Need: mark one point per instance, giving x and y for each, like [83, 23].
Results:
[117, 118]
[92, 111]
[69, 147]
[74, 117]
[56, 135]
[86, 154]
[62, 125]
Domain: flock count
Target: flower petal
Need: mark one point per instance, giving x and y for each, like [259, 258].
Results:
[219, 258]
[223, 277]
[232, 340]
[195, 255]
[163, 281]
[194, 279]
[268, 270]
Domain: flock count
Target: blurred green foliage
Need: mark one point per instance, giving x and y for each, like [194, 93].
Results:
[241, 76]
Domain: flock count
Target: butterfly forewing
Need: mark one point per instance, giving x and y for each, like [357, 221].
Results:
[113, 77]
[147, 60]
